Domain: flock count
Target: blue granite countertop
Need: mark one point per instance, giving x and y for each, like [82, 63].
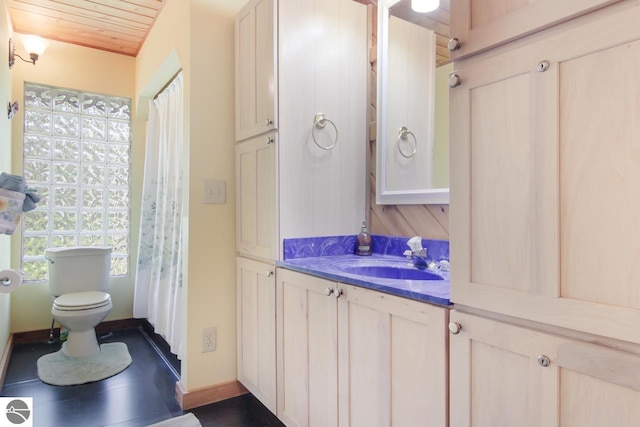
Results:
[327, 256]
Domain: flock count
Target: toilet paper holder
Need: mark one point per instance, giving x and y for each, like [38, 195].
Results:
[9, 280]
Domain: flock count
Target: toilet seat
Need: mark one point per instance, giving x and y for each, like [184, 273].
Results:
[79, 301]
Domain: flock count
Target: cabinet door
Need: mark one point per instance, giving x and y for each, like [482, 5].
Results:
[256, 197]
[482, 24]
[256, 86]
[322, 69]
[256, 323]
[546, 191]
[504, 375]
[393, 360]
[307, 350]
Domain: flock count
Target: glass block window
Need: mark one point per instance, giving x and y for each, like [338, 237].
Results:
[77, 151]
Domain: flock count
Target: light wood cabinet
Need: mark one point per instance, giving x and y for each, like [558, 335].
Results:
[545, 206]
[319, 49]
[256, 83]
[307, 350]
[506, 375]
[256, 329]
[393, 353]
[349, 356]
[256, 227]
[322, 69]
[482, 24]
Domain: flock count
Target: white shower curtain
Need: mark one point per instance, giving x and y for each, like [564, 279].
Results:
[158, 282]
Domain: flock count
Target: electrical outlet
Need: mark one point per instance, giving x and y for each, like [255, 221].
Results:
[214, 192]
[209, 339]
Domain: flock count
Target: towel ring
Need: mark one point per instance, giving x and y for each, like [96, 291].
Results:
[319, 122]
[403, 135]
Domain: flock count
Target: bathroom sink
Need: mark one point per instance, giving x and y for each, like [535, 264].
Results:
[400, 271]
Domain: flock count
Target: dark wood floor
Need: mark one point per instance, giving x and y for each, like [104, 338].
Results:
[142, 394]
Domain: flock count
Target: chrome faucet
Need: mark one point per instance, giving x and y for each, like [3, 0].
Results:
[417, 254]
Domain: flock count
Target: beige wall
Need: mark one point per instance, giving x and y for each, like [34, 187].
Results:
[211, 300]
[205, 54]
[441, 130]
[86, 69]
[5, 165]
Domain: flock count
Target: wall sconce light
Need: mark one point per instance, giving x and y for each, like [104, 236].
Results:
[424, 6]
[34, 45]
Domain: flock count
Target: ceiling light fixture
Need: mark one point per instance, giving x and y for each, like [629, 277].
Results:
[424, 6]
[34, 45]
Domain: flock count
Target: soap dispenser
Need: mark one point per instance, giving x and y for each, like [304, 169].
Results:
[363, 246]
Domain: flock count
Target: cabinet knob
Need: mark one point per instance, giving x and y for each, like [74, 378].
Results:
[454, 44]
[268, 122]
[542, 66]
[454, 80]
[328, 291]
[270, 140]
[337, 292]
[269, 273]
[543, 361]
[455, 328]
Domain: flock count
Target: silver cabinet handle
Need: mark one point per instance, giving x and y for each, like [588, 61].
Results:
[542, 66]
[337, 292]
[454, 80]
[328, 291]
[270, 140]
[269, 273]
[455, 328]
[454, 44]
[544, 361]
[268, 122]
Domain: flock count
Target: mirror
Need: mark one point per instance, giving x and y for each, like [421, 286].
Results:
[412, 147]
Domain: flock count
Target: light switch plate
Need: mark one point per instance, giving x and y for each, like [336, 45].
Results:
[215, 192]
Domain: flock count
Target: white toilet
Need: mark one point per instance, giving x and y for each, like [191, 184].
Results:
[78, 278]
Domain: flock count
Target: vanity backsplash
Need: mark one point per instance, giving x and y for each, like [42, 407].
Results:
[305, 247]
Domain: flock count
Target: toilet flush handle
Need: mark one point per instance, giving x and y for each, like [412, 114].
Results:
[49, 259]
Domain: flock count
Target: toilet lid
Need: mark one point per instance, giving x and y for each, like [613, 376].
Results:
[82, 300]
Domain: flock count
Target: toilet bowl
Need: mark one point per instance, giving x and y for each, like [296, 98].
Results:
[80, 313]
[78, 280]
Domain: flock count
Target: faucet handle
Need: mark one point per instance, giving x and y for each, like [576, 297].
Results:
[415, 243]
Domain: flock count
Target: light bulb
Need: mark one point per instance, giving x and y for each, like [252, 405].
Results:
[424, 6]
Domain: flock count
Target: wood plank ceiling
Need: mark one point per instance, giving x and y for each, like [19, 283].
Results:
[117, 26]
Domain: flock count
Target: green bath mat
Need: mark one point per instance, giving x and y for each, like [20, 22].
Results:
[60, 369]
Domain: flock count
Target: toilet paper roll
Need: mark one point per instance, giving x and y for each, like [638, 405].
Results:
[9, 281]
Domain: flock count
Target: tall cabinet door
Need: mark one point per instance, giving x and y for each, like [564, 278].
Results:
[256, 86]
[504, 197]
[482, 24]
[505, 375]
[256, 228]
[322, 69]
[393, 361]
[547, 170]
[307, 350]
[256, 324]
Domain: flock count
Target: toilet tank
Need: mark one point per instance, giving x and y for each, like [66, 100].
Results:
[78, 268]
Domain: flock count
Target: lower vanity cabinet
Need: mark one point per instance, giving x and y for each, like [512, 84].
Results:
[349, 356]
[256, 329]
[307, 349]
[506, 375]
